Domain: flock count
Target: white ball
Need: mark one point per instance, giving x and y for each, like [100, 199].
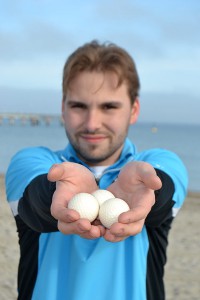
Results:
[110, 211]
[86, 205]
[102, 196]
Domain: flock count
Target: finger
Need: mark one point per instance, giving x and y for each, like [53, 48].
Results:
[59, 205]
[102, 230]
[108, 236]
[70, 216]
[134, 215]
[67, 215]
[79, 227]
[151, 180]
[148, 175]
[98, 224]
[82, 227]
[56, 172]
[93, 233]
[125, 230]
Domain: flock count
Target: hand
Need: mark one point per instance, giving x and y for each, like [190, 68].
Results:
[135, 184]
[71, 179]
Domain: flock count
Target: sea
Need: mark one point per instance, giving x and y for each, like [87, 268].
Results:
[183, 139]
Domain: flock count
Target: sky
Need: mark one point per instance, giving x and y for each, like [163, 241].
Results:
[36, 37]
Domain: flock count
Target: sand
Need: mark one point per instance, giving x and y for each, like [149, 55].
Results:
[182, 272]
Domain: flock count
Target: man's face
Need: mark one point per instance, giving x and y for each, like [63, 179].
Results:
[97, 115]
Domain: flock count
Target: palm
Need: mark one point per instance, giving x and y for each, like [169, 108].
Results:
[71, 179]
[135, 181]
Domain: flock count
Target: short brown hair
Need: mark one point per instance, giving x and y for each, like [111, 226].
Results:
[106, 57]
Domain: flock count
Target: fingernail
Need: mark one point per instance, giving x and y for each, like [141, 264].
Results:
[53, 167]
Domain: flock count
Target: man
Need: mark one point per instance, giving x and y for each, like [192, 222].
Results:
[64, 257]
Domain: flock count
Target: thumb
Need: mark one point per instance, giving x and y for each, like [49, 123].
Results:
[56, 172]
[151, 180]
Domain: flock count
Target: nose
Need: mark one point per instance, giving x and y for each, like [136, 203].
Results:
[93, 120]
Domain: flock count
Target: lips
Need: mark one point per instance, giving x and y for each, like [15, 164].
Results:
[94, 138]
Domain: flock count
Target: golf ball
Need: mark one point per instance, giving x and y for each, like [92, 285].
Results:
[110, 210]
[86, 205]
[102, 196]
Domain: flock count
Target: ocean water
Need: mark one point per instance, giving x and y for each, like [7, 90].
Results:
[182, 139]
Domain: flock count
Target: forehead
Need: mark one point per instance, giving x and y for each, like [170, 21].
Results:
[95, 80]
[97, 88]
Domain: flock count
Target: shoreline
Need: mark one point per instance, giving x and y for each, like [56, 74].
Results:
[190, 193]
[193, 194]
[183, 259]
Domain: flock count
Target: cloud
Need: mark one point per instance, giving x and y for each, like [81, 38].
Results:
[36, 39]
[169, 107]
[150, 31]
[28, 33]
[32, 30]
[45, 101]
[180, 28]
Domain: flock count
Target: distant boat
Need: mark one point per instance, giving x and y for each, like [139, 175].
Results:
[154, 129]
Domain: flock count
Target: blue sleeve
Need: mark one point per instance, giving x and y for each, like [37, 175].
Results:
[26, 165]
[172, 165]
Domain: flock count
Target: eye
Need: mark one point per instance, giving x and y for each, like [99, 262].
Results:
[77, 105]
[110, 106]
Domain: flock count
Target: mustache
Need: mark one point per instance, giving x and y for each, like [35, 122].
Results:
[94, 132]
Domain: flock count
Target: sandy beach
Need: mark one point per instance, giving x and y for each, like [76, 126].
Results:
[182, 273]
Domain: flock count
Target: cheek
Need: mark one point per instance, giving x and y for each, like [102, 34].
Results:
[115, 125]
[120, 122]
[72, 121]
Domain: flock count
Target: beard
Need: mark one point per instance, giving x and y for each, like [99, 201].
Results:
[95, 154]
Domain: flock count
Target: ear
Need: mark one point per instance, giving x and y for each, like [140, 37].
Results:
[135, 110]
[63, 108]
[63, 104]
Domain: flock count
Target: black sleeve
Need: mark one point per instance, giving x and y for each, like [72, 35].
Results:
[34, 206]
[162, 209]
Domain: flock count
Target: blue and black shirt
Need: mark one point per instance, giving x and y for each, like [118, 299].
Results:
[54, 266]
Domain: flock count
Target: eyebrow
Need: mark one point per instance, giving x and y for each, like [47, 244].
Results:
[69, 102]
[113, 102]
